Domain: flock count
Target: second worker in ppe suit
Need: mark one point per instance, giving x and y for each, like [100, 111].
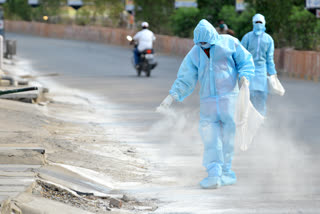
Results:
[217, 62]
[261, 46]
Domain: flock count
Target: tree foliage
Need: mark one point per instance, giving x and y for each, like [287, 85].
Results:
[288, 22]
[184, 20]
[209, 9]
[304, 28]
[104, 9]
[47, 8]
[17, 9]
[101, 8]
[156, 13]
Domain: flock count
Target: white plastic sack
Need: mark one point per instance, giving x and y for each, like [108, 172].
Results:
[247, 118]
[274, 85]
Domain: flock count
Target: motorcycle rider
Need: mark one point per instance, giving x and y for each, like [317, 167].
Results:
[145, 39]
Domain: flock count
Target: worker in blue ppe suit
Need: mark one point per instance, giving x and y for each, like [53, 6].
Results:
[261, 46]
[217, 61]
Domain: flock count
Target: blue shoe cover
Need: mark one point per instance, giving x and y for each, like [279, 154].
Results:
[211, 183]
[228, 178]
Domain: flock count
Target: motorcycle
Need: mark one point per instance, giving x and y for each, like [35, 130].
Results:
[146, 61]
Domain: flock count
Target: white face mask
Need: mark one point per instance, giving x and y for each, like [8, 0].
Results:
[258, 28]
[205, 46]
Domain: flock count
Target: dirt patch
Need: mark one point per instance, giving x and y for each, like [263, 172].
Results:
[89, 202]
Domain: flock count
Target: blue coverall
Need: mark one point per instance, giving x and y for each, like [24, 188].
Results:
[218, 77]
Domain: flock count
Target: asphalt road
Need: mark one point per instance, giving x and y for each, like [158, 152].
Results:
[279, 173]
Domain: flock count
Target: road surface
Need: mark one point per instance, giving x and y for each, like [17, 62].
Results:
[279, 173]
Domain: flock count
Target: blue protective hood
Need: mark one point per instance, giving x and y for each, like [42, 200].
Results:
[205, 32]
[258, 29]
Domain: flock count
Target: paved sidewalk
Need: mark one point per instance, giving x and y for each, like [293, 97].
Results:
[17, 166]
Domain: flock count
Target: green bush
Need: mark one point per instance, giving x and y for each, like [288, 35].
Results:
[184, 20]
[83, 16]
[209, 9]
[47, 8]
[317, 32]
[156, 13]
[17, 9]
[303, 29]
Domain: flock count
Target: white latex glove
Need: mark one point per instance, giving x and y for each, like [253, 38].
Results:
[165, 104]
[242, 80]
[167, 101]
[273, 79]
[275, 86]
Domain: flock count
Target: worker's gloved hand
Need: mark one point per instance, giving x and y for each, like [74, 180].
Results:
[273, 79]
[243, 80]
[275, 86]
[165, 104]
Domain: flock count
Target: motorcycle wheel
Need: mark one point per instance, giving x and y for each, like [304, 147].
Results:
[148, 73]
[139, 70]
